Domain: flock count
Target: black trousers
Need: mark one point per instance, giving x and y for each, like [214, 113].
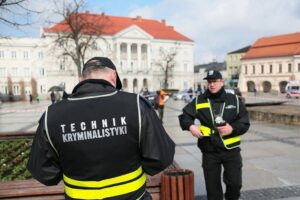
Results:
[212, 164]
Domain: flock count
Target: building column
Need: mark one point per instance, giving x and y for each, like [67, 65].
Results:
[148, 57]
[118, 54]
[139, 58]
[129, 56]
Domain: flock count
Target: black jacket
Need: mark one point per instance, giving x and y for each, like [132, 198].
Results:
[239, 122]
[105, 154]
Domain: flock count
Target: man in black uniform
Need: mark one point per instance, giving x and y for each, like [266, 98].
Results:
[100, 141]
[223, 119]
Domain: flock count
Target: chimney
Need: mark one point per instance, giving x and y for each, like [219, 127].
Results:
[171, 27]
[87, 12]
[138, 18]
[163, 21]
[103, 14]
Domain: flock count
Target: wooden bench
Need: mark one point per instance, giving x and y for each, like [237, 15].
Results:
[33, 190]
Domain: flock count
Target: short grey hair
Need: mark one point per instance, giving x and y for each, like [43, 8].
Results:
[93, 69]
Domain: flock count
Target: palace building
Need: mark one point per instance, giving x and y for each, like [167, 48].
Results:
[135, 45]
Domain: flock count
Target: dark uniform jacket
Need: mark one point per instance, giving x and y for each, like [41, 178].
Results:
[209, 106]
[101, 142]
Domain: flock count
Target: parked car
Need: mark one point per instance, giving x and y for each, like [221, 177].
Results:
[292, 89]
[181, 95]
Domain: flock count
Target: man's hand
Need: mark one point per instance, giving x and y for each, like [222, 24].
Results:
[195, 131]
[225, 130]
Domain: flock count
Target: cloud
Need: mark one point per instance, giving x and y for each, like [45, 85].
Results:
[216, 26]
[219, 26]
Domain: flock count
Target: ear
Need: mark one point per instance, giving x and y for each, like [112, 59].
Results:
[113, 77]
[81, 79]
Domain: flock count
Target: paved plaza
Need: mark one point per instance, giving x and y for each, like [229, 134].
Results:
[270, 151]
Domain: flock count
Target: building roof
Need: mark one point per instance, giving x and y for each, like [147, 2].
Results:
[219, 66]
[275, 46]
[242, 50]
[115, 24]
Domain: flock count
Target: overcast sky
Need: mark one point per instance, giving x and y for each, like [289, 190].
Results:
[216, 26]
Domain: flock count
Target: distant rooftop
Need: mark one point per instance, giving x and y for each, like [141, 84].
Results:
[115, 24]
[242, 50]
[275, 46]
[219, 66]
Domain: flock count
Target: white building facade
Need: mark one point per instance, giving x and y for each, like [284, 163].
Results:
[270, 63]
[34, 65]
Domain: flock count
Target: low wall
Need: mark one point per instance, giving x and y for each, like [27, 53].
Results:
[280, 114]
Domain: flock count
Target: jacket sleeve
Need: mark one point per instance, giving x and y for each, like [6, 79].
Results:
[43, 162]
[187, 118]
[241, 123]
[157, 148]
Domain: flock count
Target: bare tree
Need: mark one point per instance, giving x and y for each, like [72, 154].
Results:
[167, 63]
[10, 10]
[78, 32]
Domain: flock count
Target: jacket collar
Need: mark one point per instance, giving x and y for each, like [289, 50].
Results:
[91, 87]
[220, 95]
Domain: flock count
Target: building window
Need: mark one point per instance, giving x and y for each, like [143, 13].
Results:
[246, 69]
[26, 72]
[61, 44]
[94, 45]
[253, 69]
[16, 90]
[25, 55]
[42, 89]
[271, 69]
[40, 55]
[298, 67]
[280, 68]
[14, 54]
[290, 68]
[2, 72]
[262, 69]
[62, 66]
[14, 71]
[42, 72]
[1, 54]
[4, 89]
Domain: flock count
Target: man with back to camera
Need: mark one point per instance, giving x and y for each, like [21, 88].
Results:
[223, 119]
[100, 140]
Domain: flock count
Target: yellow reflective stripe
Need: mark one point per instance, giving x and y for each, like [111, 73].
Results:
[202, 105]
[206, 131]
[106, 182]
[232, 140]
[106, 192]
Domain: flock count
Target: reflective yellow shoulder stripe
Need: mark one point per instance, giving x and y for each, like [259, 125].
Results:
[232, 140]
[206, 131]
[202, 105]
[106, 192]
[106, 182]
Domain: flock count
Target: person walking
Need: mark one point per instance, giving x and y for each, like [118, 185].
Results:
[223, 119]
[30, 98]
[162, 99]
[37, 98]
[100, 140]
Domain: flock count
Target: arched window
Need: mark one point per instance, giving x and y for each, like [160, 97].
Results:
[250, 86]
[266, 86]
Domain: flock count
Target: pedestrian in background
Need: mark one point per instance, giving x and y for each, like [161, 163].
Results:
[37, 98]
[100, 140]
[223, 119]
[162, 99]
[30, 98]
